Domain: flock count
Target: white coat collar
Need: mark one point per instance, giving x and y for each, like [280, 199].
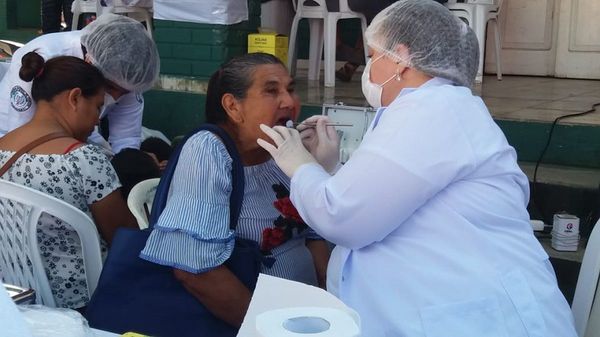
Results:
[434, 82]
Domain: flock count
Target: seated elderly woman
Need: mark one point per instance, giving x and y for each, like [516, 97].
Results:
[69, 94]
[192, 233]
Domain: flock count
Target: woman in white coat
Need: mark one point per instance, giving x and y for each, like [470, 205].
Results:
[429, 214]
[120, 48]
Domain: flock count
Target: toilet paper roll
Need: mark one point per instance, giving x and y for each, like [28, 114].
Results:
[304, 321]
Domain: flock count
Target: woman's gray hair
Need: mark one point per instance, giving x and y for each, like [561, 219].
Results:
[234, 77]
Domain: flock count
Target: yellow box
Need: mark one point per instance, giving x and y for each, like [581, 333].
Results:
[270, 43]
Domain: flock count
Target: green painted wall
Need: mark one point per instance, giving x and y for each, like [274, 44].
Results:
[174, 113]
[20, 20]
[20, 14]
[191, 49]
[28, 14]
[572, 145]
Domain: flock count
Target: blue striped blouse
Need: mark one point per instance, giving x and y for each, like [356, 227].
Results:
[193, 234]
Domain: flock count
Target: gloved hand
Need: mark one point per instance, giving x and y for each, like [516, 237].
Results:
[288, 152]
[322, 141]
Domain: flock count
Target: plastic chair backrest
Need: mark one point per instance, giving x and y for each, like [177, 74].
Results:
[499, 8]
[139, 13]
[142, 14]
[322, 24]
[319, 5]
[87, 6]
[587, 294]
[303, 6]
[140, 200]
[20, 260]
[79, 7]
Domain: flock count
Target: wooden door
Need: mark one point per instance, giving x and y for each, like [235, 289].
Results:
[578, 49]
[529, 29]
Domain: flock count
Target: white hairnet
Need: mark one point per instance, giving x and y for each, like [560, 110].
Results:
[123, 51]
[438, 43]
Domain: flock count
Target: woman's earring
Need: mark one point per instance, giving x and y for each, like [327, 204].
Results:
[398, 77]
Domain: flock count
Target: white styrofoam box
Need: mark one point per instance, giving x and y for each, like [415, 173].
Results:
[351, 136]
[565, 224]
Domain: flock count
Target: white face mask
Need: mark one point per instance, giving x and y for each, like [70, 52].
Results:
[372, 91]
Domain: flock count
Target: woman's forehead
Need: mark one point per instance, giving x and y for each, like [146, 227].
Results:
[271, 73]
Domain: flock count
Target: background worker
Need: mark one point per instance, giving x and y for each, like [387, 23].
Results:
[120, 48]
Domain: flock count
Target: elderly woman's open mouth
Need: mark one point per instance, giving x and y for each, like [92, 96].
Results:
[284, 121]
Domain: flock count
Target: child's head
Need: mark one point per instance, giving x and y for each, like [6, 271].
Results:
[159, 147]
[134, 166]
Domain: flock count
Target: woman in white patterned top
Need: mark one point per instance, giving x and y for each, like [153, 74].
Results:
[69, 94]
[192, 234]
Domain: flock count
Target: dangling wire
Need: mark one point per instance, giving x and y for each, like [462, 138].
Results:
[535, 196]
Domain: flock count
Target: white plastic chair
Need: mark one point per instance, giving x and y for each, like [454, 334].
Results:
[586, 302]
[478, 13]
[323, 30]
[20, 260]
[79, 7]
[140, 200]
[141, 14]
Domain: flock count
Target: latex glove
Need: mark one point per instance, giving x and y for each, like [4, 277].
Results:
[321, 141]
[288, 152]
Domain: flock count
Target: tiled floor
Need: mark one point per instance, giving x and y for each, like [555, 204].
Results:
[514, 98]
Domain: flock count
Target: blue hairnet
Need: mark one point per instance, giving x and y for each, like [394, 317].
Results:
[123, 51]
[438, 43]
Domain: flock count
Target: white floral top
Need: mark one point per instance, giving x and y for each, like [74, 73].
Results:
[80, 177]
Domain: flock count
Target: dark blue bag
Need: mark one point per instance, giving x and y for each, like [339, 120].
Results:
[136, 295]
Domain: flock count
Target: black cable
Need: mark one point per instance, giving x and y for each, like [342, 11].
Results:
[535, 195]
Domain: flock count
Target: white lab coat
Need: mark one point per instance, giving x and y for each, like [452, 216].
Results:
[429, 215]
[17, 106]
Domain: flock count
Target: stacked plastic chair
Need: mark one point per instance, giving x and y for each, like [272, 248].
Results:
[141, 14]
[478, 13]
[323, 30]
